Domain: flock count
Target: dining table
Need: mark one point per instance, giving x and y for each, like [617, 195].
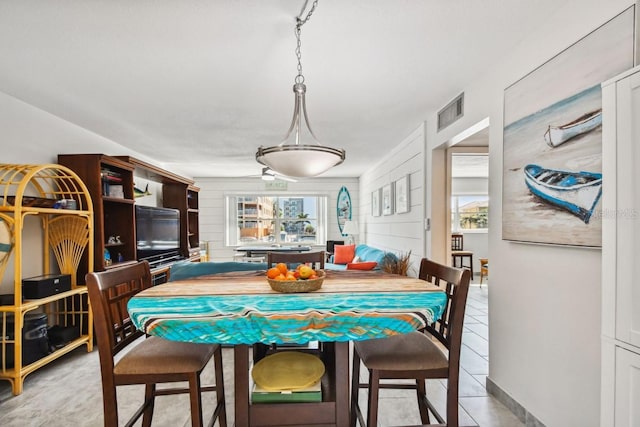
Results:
[240, 309]
[258, 250]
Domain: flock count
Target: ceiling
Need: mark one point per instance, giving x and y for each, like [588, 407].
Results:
[199, 85]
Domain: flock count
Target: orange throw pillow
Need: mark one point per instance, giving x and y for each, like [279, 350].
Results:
[366, 265]
[343, 254]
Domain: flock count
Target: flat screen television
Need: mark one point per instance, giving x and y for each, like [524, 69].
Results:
[157, 234]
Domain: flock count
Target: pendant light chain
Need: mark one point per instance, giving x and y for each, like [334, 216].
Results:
[298, 159]
[300, 22]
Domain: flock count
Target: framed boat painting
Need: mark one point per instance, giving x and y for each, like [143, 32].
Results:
[552, 140]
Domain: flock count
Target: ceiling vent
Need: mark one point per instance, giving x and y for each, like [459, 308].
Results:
[451, 112]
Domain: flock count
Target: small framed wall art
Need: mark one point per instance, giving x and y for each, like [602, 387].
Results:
[375, 202]
[387, 200]
[402, 191]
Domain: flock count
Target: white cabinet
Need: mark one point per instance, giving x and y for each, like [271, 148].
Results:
[627, 407]
[621, 251]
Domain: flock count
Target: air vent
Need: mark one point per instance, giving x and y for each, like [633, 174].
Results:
[451, 112]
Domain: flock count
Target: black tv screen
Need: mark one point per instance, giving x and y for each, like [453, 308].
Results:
[157, 231]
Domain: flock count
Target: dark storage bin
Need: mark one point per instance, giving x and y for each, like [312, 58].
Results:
[59, 336]
[35, 342]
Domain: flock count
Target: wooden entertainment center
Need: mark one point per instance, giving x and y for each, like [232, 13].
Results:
[110, 181]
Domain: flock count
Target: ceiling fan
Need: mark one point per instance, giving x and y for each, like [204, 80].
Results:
[269, 175]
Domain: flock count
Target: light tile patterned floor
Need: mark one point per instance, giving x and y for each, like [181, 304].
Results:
[68, 391]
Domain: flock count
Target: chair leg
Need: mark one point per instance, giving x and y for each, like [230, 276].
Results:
[372, 406]
[149, 396]
[196, 400]
[109, 405]
[355, 389]
[452, 403]
[421, 391]
[222, 415]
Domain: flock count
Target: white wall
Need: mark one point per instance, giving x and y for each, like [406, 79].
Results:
[544, 301]
[33, 136]
[399, 233]
[212, 206]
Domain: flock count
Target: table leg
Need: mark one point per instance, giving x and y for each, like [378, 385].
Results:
[241, 384]
[342, 383]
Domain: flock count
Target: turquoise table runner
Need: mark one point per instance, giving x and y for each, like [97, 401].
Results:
[193, 311]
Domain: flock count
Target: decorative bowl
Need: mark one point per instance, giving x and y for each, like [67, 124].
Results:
[296, 286]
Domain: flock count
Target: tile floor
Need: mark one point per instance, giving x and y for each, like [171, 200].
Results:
[68, 391]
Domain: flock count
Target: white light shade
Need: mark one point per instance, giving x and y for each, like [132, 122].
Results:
[300, 161]
[295, 159]
[351, 228]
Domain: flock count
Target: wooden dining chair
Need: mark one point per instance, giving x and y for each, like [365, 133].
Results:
[149, 361]
[415, 355]
[316, 259]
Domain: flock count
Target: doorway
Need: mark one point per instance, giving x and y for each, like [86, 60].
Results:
[460, 194]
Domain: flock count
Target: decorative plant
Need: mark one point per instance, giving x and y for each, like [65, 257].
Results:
[397, 264]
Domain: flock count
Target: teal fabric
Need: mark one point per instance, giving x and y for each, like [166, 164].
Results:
[285, 318]
[364, 253]
[186, 270]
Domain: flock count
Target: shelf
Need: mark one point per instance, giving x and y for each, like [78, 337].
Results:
[113, 245]
[28, 305]
[68, 235]
[120, 264]
[118, 200]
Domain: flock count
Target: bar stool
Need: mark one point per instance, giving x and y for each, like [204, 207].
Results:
[459, 255]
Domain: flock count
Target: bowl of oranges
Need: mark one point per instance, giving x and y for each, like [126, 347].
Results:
[302, 279]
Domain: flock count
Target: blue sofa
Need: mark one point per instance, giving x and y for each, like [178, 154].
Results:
[186, 269]
[364, 253]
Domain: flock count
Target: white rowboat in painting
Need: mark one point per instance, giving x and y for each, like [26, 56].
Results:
[577, 192]
[556, 135]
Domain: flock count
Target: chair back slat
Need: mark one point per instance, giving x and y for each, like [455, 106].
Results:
[457, 242]
[455, 282]
[316, 259]
[109, 293]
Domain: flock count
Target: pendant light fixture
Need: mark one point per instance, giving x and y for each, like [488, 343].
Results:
[292, 157]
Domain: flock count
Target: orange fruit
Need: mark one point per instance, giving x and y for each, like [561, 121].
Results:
[306, 272]
[280, 277]
[273, 272]
[282, 267]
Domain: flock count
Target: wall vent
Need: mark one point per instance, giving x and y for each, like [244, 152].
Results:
[451, 112]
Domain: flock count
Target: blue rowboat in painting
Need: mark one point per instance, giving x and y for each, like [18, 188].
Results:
[577, 192]
[556, 135]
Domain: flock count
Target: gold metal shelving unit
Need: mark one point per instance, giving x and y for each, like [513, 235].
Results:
[58, 197]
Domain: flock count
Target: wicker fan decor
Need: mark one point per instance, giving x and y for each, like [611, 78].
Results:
[6, 244]
[68, 237]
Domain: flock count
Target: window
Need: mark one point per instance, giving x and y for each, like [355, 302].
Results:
[276, 219]
[469, 192]
[469, 212]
